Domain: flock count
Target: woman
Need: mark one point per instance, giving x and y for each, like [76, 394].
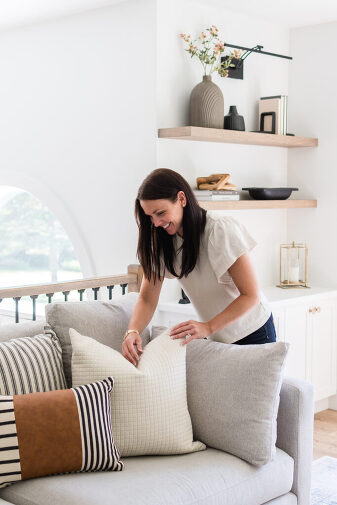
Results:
[209, 256]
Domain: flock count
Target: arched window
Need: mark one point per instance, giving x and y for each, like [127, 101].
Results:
[34, 247]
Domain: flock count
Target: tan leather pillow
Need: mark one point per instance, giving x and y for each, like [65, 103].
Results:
[72, 417]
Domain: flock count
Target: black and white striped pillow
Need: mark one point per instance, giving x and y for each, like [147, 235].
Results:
[30, 365]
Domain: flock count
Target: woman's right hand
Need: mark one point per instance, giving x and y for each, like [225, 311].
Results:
[131, 346]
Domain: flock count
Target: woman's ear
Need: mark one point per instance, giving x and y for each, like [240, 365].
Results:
[182, 198]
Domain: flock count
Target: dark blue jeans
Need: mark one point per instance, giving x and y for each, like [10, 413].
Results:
[263, 335]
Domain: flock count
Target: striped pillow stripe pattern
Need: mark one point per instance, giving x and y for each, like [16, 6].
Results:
[10, 470]
[30, 365]
[79, 420]
[94, 406]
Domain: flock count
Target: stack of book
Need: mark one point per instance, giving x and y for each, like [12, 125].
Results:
[274, 104]
[223, 194]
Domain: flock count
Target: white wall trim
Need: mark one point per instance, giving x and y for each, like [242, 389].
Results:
[333, 402]
[321, 405]
[59, 208]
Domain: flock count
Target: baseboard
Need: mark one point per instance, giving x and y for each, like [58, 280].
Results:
[326, 403]
[333, 402]
[321, 405]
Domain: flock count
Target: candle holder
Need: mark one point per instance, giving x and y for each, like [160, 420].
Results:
[293, 266]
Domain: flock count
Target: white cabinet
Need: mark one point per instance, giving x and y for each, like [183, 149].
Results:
[310, 330]
[295, 331]
[278, 323]
[322, 340]
[306, 319]
[170, 314]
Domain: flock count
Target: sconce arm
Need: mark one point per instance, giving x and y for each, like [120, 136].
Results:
[245, 55]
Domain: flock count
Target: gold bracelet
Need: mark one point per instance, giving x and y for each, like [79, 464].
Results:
[130, 331]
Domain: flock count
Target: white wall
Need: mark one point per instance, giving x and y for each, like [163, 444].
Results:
[81, 98]
[77, 123]
[313, 108]
[177, 74]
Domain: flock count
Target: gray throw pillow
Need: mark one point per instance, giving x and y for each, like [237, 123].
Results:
[233, 396]
[106, 322]
[156, 331]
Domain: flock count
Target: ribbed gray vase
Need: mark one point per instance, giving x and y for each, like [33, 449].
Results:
[206, 104]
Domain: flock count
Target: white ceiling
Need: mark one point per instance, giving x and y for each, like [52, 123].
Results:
[21, 12]
[288, 13]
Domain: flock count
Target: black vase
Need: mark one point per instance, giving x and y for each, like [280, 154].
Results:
[233, 121]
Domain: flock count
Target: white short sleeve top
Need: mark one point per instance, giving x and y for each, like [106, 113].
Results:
[210, 286]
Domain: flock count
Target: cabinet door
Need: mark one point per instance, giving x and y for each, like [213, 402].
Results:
[278, 316]
[323, 349]
[170, 314]
[168, 318]
[295, 333]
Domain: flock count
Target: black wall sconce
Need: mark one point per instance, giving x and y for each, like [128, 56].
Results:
[237, 71]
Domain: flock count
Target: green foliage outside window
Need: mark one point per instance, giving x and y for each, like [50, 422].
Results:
[31, 238]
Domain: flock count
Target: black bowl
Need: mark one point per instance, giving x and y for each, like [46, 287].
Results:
[269, 193]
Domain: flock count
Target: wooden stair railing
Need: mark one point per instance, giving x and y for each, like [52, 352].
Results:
[131, 280]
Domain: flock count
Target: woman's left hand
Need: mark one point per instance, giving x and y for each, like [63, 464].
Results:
[191, 330]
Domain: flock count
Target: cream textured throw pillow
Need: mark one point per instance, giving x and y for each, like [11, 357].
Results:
[149, 402]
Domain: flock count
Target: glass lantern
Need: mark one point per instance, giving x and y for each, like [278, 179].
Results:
[293, 266]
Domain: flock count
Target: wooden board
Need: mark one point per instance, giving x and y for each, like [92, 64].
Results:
[234, 137]
[257, 204]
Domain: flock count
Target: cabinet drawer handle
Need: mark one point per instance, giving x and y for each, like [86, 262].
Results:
[318, 309]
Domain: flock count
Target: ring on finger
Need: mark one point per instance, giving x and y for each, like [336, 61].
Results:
[188, 335]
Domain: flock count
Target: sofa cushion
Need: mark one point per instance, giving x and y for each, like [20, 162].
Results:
[31, 364]
[149, 406]
[105, 321]
[24, 329]
[208, 477]
[57, 431]
[238, 388]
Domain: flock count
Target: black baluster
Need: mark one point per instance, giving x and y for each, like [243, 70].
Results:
[34, 297]
[65, 293]
[123, 286]
[81, 291]
[50, 296]
[17, 299]
[95, 290]
[110, 288]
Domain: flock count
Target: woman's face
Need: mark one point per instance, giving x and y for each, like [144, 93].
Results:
[167, 214]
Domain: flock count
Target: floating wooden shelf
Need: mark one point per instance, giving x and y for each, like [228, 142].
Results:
[234, 137]
[257, 204]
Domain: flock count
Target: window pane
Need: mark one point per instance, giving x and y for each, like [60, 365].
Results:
[34, 247]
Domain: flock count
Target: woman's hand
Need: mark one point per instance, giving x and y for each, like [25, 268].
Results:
[129, 346]
[191, 330]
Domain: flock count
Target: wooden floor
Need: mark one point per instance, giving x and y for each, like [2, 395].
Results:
[325, 434]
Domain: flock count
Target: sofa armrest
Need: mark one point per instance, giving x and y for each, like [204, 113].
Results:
[295, 432]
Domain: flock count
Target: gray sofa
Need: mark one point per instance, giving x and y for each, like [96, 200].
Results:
[209, 477]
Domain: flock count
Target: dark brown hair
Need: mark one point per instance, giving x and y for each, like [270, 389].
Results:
[154, 243]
